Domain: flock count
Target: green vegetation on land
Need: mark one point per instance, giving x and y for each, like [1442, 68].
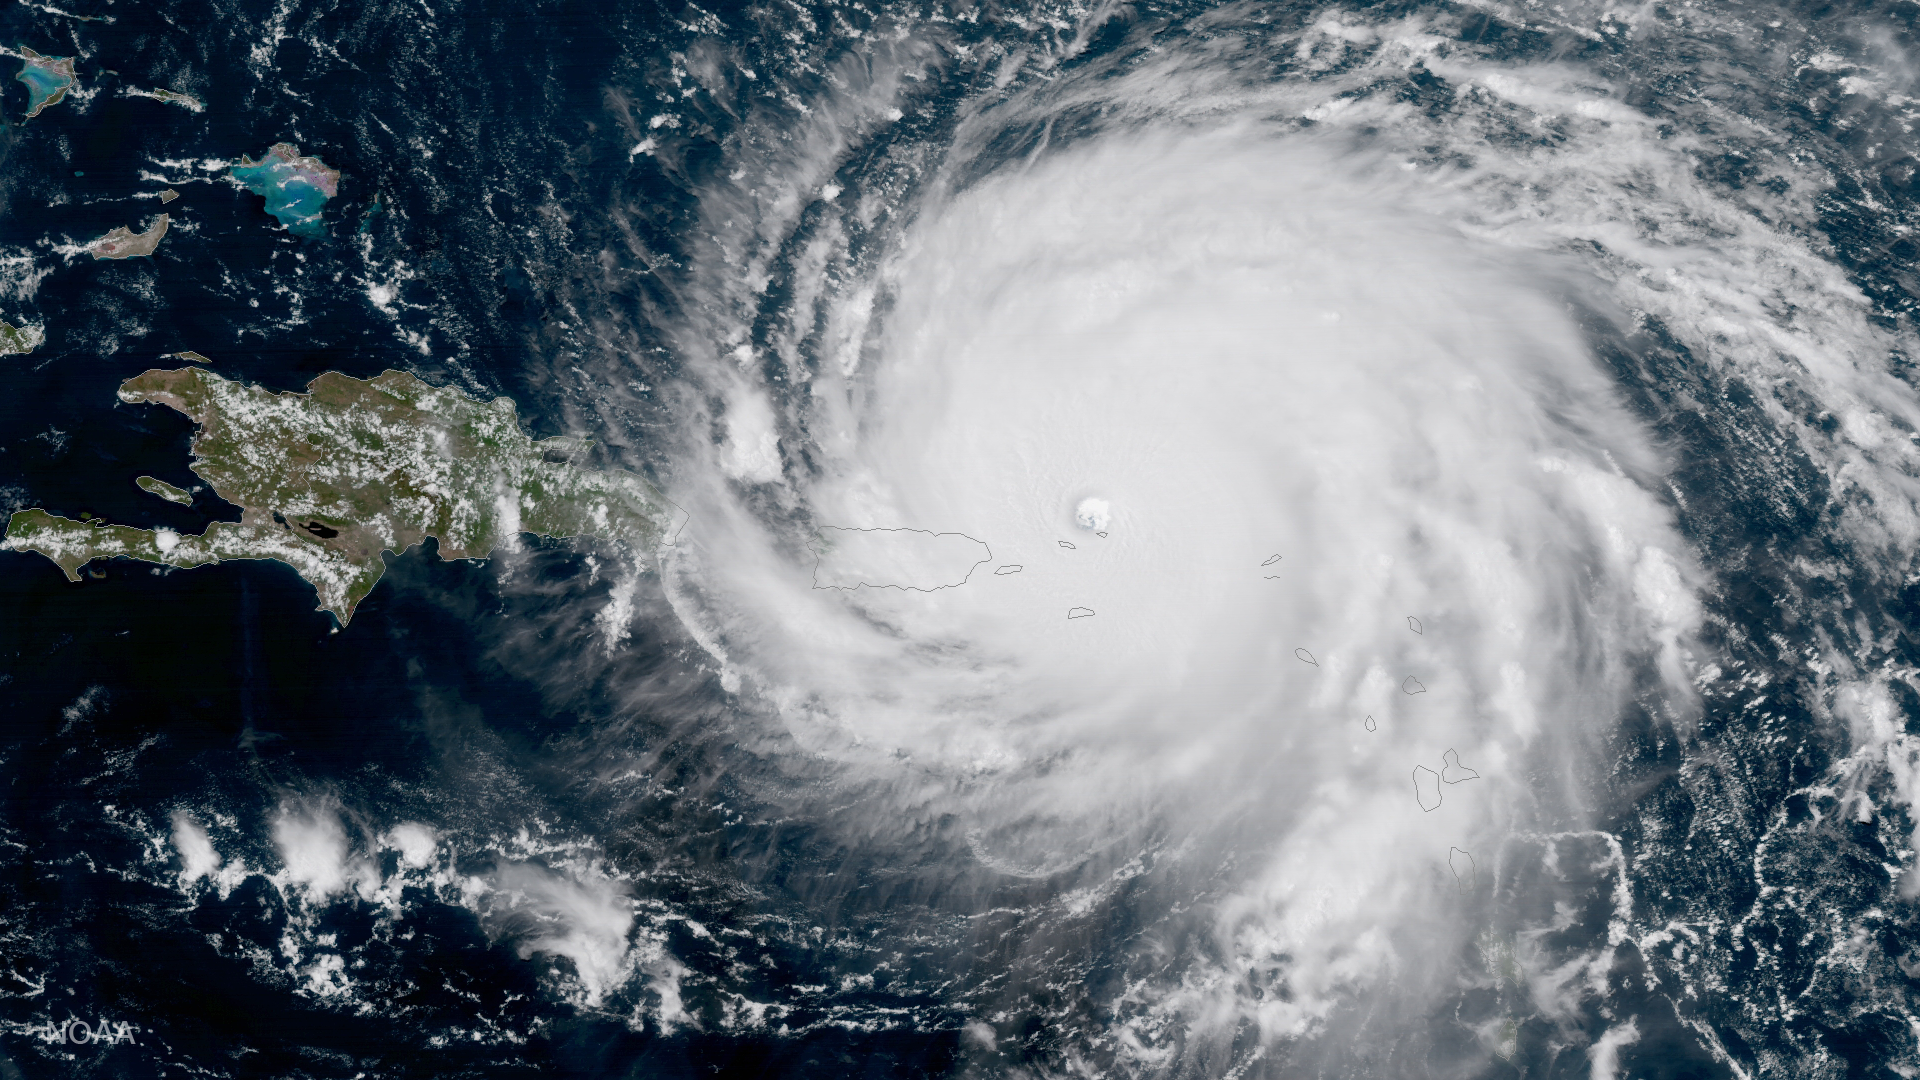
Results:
[328, 479]
[164, 490]
[19, 339]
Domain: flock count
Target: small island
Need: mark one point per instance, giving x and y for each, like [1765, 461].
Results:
[168, 196]
[329, 479]
[170, 97]
[48, 79]
[15, 340]
[156, 486]
[296, 187]
[124, 243]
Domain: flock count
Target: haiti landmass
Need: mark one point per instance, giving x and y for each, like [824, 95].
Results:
[328, 479]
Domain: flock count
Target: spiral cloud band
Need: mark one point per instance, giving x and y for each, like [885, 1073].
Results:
[1220, 540]
[1356, 427]
[1308, 496]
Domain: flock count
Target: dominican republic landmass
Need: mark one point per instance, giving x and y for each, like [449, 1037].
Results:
[329, 479]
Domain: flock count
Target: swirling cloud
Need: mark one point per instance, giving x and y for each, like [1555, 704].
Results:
[1137, 366]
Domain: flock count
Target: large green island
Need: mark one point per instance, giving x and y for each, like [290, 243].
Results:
[328, 479]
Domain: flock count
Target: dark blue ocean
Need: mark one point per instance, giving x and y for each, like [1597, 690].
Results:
[497, 231]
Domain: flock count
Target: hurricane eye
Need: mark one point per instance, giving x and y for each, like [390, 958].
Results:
[1093, 514]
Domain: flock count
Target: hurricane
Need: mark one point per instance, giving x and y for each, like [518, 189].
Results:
[1208, 540]
[1298, 377]
[1236, 342]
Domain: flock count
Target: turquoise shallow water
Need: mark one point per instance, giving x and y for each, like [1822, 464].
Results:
[292, 197]
[43, 86]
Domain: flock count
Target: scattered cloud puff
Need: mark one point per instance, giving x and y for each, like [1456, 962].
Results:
[196, 850]
[314, 854]
[583, 917]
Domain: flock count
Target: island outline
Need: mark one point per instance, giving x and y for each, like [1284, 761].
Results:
[329, 479]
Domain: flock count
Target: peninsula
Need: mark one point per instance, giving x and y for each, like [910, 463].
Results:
[328, 479]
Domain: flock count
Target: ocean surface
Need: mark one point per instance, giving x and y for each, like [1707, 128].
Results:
[1562, 353]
